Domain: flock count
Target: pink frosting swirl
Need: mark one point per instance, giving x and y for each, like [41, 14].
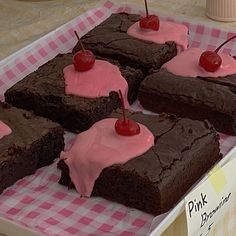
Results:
[168, 31]
[99, 81]
[186, 64]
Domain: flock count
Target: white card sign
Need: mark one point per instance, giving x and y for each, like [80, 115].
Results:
[208, 202]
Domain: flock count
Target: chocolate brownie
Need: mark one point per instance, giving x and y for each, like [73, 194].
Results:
[197, 98]
[43, 92]
[34, 142]
[109, 39]
[154, 182]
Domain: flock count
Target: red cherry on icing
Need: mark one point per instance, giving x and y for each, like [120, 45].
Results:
[124, 126]
[150, 21]
[127, 127]
[83, 60]
[211, 61]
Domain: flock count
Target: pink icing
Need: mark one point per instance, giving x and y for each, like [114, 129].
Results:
[4, 130]
[96, 82]
[100, 147]
[187, 64]
[168, 31]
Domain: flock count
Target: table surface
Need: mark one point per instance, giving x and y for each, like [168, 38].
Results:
[22, 22]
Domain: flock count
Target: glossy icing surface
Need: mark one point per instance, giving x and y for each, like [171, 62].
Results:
[168, 31]
[186, 64]
[100, 147]
[96, 82]
[4, 129]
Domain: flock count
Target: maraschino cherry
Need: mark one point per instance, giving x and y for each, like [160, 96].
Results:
[83, 60]
[211, 61]
[150, 21]
[124, 126]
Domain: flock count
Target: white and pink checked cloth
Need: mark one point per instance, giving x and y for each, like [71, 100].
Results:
[38, 201]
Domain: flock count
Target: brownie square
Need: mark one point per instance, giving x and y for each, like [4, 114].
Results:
[110, 40]
[154, 182]
[33, 143]
[199, 98]
[43, 92]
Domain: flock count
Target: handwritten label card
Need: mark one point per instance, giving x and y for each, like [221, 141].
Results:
[207, 203]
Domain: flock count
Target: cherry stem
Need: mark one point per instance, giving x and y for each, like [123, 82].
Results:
[217, 50]
[122, 105]
[146, 7]
[80, 43]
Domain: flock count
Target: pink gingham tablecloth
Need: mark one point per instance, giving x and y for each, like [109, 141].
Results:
[38, 201]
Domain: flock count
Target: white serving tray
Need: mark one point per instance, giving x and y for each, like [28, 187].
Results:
[11, 228]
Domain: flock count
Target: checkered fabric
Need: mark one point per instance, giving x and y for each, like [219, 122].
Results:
[38, 201]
